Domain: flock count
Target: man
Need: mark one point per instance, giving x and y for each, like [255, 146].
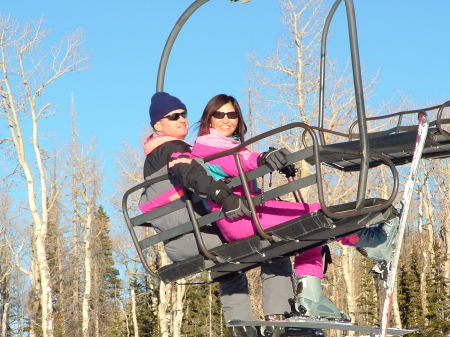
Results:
[167, 153]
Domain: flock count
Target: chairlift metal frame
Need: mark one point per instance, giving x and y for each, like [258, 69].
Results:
[314, 153]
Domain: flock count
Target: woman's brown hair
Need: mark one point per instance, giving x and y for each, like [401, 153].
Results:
[213, 105]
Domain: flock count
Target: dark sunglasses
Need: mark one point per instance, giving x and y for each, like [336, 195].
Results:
[221, 114]
[176, 116]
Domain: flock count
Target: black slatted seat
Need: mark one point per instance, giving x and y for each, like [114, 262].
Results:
[399, 147]
[291, 237]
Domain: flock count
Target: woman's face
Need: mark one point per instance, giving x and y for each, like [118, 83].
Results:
[229, 121]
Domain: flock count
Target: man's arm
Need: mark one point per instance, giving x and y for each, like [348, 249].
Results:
[194, 176]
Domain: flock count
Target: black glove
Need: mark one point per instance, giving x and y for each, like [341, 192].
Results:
[235, 207]
[289, 170]
[218, 191]
[275, 158]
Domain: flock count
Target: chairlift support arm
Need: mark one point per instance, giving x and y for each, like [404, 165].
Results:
[171, 40]
[359, 93]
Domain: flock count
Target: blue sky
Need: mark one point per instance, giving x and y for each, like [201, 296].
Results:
[407, 40]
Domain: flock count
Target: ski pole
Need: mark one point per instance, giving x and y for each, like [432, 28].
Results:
[289, 171]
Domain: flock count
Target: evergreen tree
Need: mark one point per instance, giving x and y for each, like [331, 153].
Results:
[409, 294]
[116, 325]
[107, 282]
[367, 300]
[147, 320]
[201, 314]
[438, 297]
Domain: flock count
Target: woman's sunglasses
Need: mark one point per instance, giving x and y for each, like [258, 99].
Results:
[176, 116]
[221, 114]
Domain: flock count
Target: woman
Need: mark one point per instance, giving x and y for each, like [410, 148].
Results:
[222, 127]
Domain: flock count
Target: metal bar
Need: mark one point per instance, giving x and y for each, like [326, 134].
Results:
[359, 98]
[171, 40]
[399, 115]
[198, 236]
[439, 120]
[359, 94]
[248, 195]
[364, 210]
[133, 234]
[323, 48]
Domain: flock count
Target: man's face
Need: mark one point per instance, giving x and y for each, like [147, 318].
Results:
[173, 124]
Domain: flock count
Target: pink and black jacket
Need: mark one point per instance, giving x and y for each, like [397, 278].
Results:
[172, 156]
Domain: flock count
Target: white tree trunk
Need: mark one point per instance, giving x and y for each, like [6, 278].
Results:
[5, 311]
[165, 294]
[445, 229]
[428, 252]
[133, 313]
[178, 293]
[210, 309]
[395, 308]
[163, 317]
[46, 290]
[32, 307]
[87, 272]
[348, 276]
[446, 235]
[75, 303]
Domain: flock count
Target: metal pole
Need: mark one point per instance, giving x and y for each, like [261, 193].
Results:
[359, 93]
[359, 97]
[171, 39]
[323, 48]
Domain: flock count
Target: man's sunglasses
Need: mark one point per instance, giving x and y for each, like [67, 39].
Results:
[221, 114]
[176, 116]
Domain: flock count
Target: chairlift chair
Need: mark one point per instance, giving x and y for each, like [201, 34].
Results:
[360, 151]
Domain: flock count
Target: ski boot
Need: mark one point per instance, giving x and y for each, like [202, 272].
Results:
[311, 302]
[378, 243]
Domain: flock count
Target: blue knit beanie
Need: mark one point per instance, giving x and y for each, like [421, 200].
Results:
[163, 103]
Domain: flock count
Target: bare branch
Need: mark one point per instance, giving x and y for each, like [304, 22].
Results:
[17, 256]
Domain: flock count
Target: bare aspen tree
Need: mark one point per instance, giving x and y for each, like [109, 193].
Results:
[84, 191]
[210, 309]
[87, 179]
[170, 307]
[178, 297]
[6, 264]
[133, 311]
[348, 272]
[426, 233]
[440, 182]
[22, 85]
[54, 244]
[87, 271]
[127, 259]
[75, 265]
[163, 308]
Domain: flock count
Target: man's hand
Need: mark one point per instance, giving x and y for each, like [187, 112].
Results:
[235, 207]
[275, 158]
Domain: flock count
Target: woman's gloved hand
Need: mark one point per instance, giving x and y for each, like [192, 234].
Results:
[275, 158]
